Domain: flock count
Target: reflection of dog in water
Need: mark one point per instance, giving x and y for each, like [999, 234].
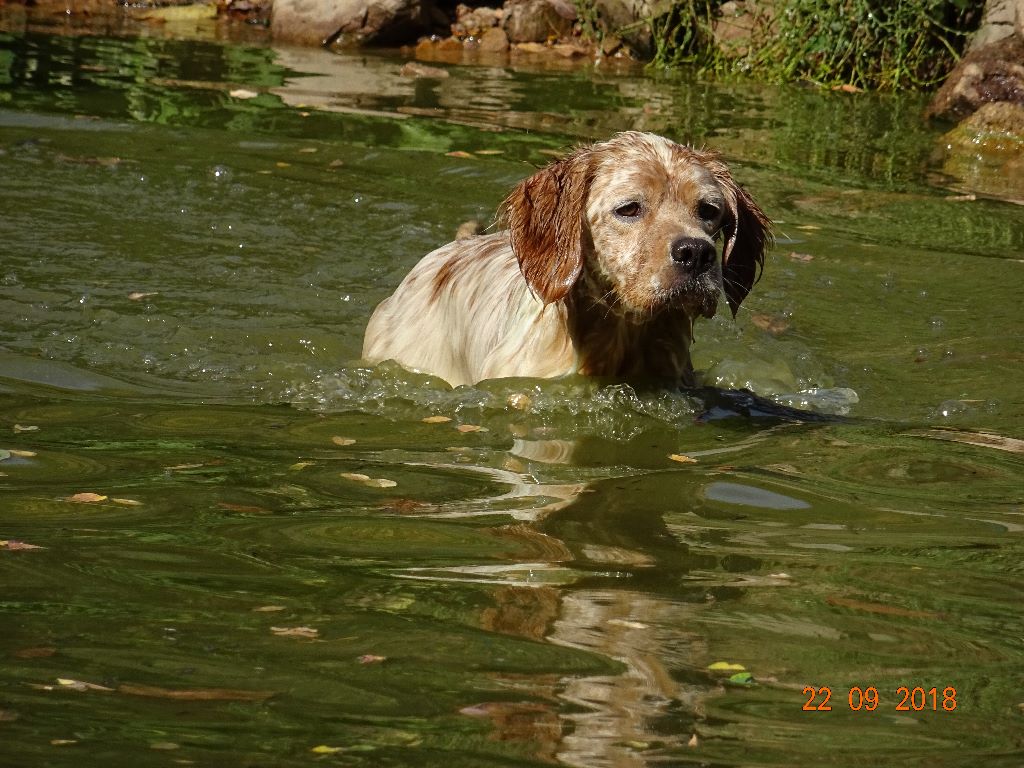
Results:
[607, 258]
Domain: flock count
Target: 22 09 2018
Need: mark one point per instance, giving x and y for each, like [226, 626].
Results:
[907, 699]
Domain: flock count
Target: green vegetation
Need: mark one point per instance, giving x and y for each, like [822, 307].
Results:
[905, 44]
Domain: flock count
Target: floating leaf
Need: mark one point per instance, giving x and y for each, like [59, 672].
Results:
[459, 154]
[243, 508]
[140, 295]
[880, 608]
[436, 419]
[80, 685]
[693, 742]
[307, 632]
[193, 694]
[308, 150]
[725, 666]
[471, 428]
[12, 545]
[62, 742]
[301, 465]
[742, 678]
[369, 482]
[342, 440]
[682, 458]
[323, 749]
[490, 152]
[270, 608]
[627, 623]
[86, 498]
[802, 258]
[369, 658]
[25, 428]
[127, 502]
[242, 93]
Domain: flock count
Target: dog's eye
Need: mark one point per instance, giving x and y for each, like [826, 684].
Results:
[709, 211]
[629, 210]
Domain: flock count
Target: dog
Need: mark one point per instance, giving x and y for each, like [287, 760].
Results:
[603, 261]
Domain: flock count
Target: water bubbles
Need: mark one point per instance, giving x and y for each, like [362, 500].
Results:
[220, 173]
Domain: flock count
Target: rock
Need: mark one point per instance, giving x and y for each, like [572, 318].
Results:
[494, 40]
[992, 73]
[999, 21]
[986, 151]
[474, 22]
[630, 22]
[385, 22]
[535, 21]
[739, 24]
[997, 126]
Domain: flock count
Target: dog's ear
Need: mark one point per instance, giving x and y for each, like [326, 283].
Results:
[544, 216]
[747, 235]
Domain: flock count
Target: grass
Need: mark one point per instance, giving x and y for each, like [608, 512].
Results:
[876, 44]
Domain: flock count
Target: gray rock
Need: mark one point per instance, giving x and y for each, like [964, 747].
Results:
[385, 22]
[535, 21]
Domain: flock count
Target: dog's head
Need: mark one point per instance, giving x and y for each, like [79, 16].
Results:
[636, 219]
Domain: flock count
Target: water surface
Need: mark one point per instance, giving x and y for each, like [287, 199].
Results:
[291, 566]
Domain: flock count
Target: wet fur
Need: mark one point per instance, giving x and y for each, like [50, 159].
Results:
[570, 284]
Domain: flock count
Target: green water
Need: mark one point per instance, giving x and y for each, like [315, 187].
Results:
[184, 280]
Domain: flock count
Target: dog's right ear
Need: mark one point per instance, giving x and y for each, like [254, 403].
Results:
[544, 216]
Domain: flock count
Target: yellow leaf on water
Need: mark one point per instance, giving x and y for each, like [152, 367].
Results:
[193, 694]
[725, 666]
[127, 502]
[306, 632]
[301, 465]
[357, 477]
[380, 482]
[242, 93]
[471, 428]
[459, 154]
[436, 419]
[25, 428]
[682, 458]
[370, 658]
[323, 749]
[140, 295]
[342, 440]
[79, 685]
[86, 498]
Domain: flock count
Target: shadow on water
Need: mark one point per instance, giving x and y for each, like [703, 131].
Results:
[224, 541]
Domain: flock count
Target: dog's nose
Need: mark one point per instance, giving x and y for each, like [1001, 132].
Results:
[693, 253]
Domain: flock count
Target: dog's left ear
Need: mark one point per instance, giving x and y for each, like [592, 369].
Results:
[544, 216]
[747, 234]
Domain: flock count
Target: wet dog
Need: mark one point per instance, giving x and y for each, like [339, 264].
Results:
[604, 260]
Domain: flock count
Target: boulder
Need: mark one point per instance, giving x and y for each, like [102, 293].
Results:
[992, 73]
[384, 22]
[536, 21]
